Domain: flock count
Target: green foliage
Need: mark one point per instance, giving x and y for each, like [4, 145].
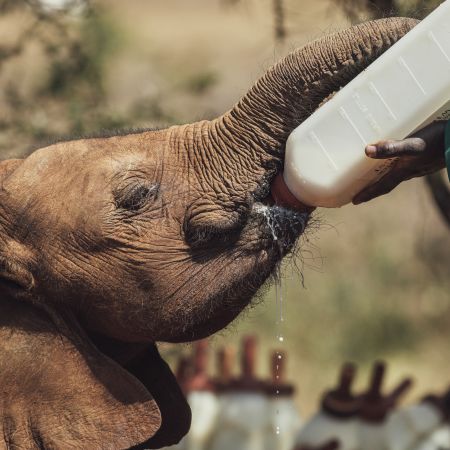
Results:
[82, 65]
[77, 73]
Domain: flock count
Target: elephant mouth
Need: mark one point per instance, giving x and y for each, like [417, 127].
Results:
[278, 216]
[280, 226]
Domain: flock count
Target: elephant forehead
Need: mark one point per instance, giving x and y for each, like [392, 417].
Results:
[59, 176]
[60, 163]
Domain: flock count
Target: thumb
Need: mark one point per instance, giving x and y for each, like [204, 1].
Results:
[391, 149]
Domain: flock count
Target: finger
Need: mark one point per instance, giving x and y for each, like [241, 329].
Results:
[381, 187]
[390, 149]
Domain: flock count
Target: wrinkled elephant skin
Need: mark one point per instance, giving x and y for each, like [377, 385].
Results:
[110, 244]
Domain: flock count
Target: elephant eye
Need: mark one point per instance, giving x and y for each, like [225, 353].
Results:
[136, 197]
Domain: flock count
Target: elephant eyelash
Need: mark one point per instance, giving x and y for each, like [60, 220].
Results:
[136, 197]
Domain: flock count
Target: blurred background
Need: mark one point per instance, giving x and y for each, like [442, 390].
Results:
[372, 281]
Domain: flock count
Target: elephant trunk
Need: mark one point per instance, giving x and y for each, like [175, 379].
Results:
[292, 89]
[239, 153]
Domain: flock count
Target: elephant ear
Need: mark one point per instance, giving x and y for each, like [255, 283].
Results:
[57, 391]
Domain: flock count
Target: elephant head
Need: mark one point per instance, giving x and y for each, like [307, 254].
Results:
[110, 244]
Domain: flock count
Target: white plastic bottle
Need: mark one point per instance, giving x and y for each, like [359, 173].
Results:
[336, 419]
[183, 374]
[285, 420]
[405, 88]
[439, 440]
[203, 401]
[224, 377]
[244, 411]
[426, 424]
[224, 384]
[375, 411]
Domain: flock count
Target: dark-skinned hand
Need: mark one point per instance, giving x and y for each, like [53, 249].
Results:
[416, 156]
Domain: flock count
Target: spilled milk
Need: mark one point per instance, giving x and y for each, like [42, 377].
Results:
[285, 420]
[264, 210]
[279, 332]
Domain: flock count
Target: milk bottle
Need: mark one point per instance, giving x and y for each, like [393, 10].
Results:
[375, 408]
[423, 426]
[336, 419]
[203, 401]
[245, 412]
[405, 88]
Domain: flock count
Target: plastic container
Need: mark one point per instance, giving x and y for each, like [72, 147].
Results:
[423, 426]
[205, 410]
[408, 426]
[337, 418]
[243, 419]
[203, 401]
[403, 90]
[244, 413]
[439, 440]
[376, 409]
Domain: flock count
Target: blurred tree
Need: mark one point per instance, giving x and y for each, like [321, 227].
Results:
[74, 49]
[67, 47]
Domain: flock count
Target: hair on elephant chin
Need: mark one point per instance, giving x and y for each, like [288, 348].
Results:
[306, 253]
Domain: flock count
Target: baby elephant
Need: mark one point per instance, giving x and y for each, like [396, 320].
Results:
[110, 244]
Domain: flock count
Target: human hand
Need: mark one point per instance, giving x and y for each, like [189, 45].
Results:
[416, 156]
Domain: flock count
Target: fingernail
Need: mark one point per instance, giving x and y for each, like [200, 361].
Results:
[371, 150]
